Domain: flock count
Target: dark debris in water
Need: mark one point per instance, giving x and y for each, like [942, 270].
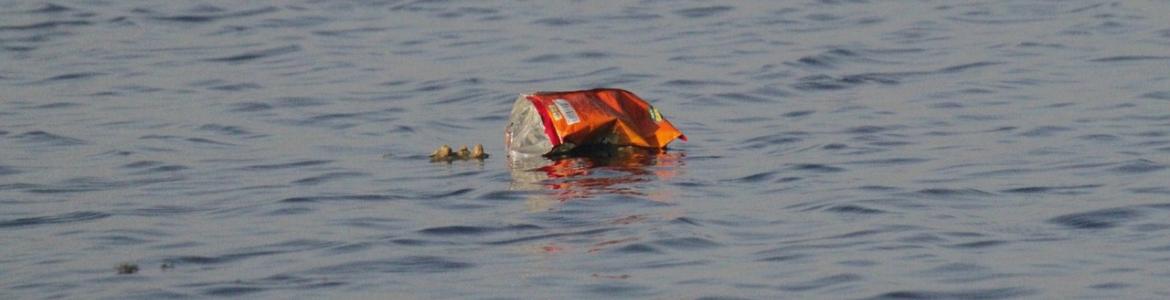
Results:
[126, 268]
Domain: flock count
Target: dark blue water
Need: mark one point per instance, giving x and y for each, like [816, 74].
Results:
[838, 149]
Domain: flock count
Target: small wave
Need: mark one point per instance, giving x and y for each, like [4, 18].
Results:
[551, 235]
[6, 170]
[888, 161]
[38, 137]
[149, 167]
[854, 209]
[1100, 137]
[232, 291]
[978, 244]
[820, 168]
[73, 217]
[1098, 219]
[50, 8]
[250, 252]
[476, 230]
[86, 184]
[236, 87]
[783, 258]
[822, 282]
[1139, 166]
[688, 243]
[504, 195]
[72, 76]
[196, 140]
[418, 242]
[288, 211]
[409, 264]
[1110, 286]
[359, 197]
[162, 210]
[740, 97]
[762, 176]
[947, 193]
[247, 56]
[237, 288]
[225, 129]
[1128, 58]
[637, 248]
[773, 140]
[701, 12]
[465, 97]
[698, 83]
[799, 113]
[548, 78]
[1159, 95]
[444, 194]
[193, 18]
[250, 107]
[956, 268]
[376, 223]
[617, 290]
[1052, 189]
[829, 59]
[328, 177]
[1151, 190]
[296, 164]
[980, 294]
[801, 248]
[212, 260]
[1045, 131]
[560, 21]
[44, 25]
[20, 186]
[351, 32]
[825, 82]
[965, 67]
[56, 105]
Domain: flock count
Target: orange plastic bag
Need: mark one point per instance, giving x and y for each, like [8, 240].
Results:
[558, 122]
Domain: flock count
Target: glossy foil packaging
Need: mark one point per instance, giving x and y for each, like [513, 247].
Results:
[544, 123]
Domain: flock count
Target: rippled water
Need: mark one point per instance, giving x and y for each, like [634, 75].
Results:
[838, 149]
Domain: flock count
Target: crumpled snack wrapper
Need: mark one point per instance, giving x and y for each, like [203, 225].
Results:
[544, 123]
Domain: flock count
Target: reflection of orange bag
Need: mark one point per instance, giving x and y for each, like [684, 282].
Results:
[548, 122]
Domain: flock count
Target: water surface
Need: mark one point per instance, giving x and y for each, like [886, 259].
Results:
[838, 149]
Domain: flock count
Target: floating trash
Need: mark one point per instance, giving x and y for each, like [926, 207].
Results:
[553, 123]
[126, 268]
[444, 153]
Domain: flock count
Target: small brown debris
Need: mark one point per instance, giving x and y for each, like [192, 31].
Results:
[477, 152]
[127, 268]
[445, 154]
[464, 153]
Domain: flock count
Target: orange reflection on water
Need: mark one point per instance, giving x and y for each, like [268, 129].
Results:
[621, 171]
